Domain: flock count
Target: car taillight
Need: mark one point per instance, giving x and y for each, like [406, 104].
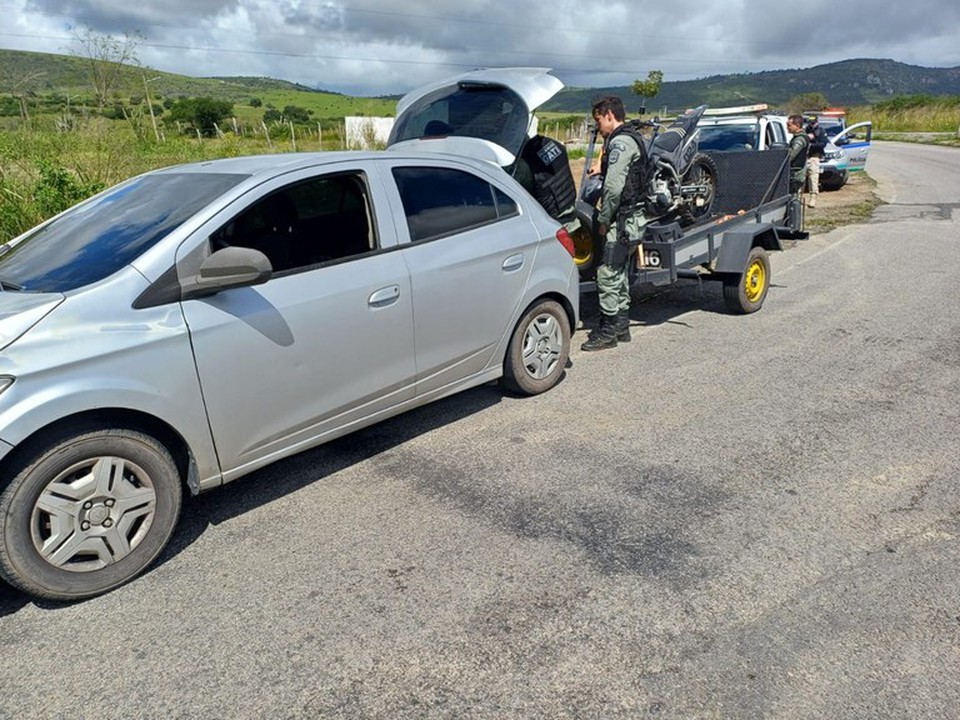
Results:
[564, 237]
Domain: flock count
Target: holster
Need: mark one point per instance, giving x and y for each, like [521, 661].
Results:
[616, 254]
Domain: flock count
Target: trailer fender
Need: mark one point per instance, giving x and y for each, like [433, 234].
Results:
[736, 245]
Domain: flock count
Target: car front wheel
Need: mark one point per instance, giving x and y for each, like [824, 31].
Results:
[538, 350]
[87, 513]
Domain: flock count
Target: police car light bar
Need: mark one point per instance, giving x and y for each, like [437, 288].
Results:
[739, 110]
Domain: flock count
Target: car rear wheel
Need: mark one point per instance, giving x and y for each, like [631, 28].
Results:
[538, 350]
[87, 513]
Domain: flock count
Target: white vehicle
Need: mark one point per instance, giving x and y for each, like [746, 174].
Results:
[755, 127]
[853, 141]
[747, 127]
[195, 323]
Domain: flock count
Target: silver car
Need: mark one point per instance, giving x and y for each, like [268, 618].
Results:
[198, 322]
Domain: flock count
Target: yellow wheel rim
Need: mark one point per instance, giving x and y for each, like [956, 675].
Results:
[582, 247]
[755, 281]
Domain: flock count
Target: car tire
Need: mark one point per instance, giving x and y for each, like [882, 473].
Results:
[539, 349]
[746, 292]
[834, 183]
[87, 512]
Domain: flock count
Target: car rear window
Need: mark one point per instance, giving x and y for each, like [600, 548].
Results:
[93, 240]
[487, 112]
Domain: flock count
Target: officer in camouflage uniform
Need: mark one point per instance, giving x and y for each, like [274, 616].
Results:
[613, 275]
[799, 148]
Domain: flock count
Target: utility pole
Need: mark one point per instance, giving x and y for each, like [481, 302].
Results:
[146, 96]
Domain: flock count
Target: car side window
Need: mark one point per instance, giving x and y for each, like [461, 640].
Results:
[315, 221]
[442, 201]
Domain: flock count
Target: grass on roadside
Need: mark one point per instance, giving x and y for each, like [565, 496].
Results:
[826, 218]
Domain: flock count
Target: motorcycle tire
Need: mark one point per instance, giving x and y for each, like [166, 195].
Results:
[702, 171]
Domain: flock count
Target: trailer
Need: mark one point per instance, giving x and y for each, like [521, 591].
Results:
[752, 214]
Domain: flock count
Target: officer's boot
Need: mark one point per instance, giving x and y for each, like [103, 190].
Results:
[604, 337]
[623, 326]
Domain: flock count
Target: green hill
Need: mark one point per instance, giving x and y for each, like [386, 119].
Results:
[43, 74]
[845, 83]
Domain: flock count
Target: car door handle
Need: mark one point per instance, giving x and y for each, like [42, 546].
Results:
[384, 296]
[514, 262]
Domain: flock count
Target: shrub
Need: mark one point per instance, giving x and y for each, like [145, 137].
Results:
[57, 189]
[203, 113]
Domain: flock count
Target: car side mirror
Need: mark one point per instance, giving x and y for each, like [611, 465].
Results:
[224, 269]
[228, 268]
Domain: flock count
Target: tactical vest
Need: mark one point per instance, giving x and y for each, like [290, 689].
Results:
[553, 185]
[798, 162]
[635, 187]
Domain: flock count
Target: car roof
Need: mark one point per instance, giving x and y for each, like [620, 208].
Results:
[269, 163]
[279, 163]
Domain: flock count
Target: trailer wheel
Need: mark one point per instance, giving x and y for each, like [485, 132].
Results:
[745, 293]
[584, 255]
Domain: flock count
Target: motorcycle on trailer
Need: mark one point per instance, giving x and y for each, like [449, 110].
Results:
[678, 183]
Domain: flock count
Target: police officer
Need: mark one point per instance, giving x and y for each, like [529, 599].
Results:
[613, 276]
[818, 142]
[799, 148]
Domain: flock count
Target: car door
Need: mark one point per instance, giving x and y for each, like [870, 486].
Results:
[777, 135]
[327, 341]
[855, 141]
[470, 251]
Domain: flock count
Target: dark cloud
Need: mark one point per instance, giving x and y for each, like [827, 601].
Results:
[389, 46]
[111, 16]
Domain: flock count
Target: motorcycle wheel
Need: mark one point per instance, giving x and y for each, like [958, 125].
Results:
[702, 171]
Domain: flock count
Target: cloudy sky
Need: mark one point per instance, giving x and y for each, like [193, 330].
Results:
[370, 47]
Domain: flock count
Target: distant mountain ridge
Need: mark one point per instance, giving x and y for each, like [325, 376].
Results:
[845, 83]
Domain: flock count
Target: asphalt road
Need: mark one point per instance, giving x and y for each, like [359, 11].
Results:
[730, 517]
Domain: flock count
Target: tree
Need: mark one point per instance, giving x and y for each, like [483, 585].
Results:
[650, 87]
[204, 113]
[255, 102]
[22, 89]
[296, 114]
[105, 58]
[807, 101]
